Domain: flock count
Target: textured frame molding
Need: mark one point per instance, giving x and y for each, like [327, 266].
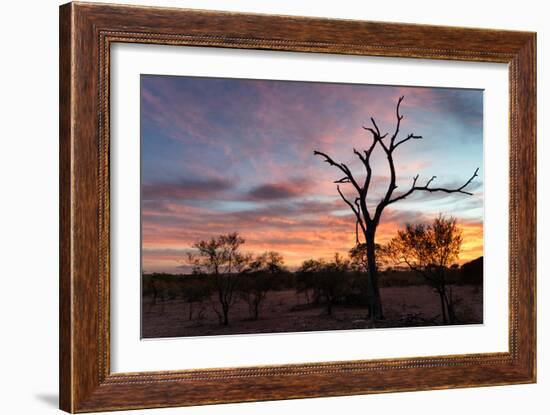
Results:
[86, 33]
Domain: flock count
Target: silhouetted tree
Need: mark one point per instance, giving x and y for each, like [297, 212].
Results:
[304, 280]
[195, 290]
[329, 280]
[367, 221]
[259, 279]
[430, 250]
[222, 259]
[157, 287]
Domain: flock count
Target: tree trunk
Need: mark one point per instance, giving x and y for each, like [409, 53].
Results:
[450, 306]
[375, 303]
[443, 307]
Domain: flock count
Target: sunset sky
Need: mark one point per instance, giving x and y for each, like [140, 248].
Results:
[226, 155]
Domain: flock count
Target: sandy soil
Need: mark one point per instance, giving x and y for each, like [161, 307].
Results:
[284, 311]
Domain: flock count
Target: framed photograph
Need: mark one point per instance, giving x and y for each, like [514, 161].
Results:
[260, 207]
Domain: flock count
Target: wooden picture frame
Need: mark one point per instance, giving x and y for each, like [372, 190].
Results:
[86, 33]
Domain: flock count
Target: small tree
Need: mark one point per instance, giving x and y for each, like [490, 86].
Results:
[222, 258]
[154, 286]
[328, 279]
[260, 279]
[430, 250]
[195, 290]
[304, 280]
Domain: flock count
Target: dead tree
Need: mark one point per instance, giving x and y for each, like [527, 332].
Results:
[367, 221]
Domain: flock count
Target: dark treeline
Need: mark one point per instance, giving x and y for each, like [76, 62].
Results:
[316, 283]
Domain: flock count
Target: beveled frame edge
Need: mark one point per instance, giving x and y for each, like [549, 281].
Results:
[86, 33]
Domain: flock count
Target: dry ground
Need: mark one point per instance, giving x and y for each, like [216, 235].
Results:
[284, 311]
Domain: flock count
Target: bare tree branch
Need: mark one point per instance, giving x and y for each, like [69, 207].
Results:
[431, 180]
[371, 130]
[376, 133]
[362, 157]
[377, 138]
[409, 137]
[358, 221]
[366, 163]
[357, 204]
[386, 149]
[412, 136]
[375, 126]
[328, 159]
[399, 118]
[391, 186]
[389, 154]
[342, 180]
[342, 168]
[347, 201]
[427, 188]
[356, 211]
